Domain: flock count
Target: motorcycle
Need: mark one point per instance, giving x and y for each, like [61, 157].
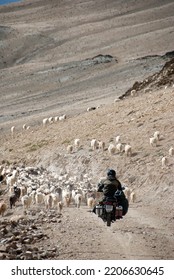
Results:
[109, 210]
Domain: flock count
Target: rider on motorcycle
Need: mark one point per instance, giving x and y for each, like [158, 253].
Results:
[111, 187]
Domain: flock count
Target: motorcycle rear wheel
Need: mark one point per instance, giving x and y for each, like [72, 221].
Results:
[108, 219]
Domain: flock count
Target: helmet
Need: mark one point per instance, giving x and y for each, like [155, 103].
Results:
[111, 173]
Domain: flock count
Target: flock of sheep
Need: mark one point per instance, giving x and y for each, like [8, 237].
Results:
[120, 147]
[45, 122]
[154, 142]
[101, 145]
[37, 188]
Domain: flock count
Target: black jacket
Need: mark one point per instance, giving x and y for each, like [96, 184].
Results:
[109, 186]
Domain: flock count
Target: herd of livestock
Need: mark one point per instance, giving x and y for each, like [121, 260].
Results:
[36, 187]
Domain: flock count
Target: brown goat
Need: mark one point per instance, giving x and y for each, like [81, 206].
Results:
[3, 208]
[67, 201]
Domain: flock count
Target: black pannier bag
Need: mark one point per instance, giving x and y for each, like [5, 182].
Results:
[122, 200]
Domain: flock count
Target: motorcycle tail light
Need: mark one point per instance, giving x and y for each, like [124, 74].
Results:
[108, 203]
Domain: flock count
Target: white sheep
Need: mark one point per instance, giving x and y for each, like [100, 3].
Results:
[73, 194]
[45, 121]
[11, 190]
[63, 117]
[56, 199]
[91, 202]
[134, 92]
[66, 193]
[101, 145]
[171, 151]
[77, 143]
[117, 139]
[3, 208]
[78, 200]
[116, 100]
[111, 149]
[39, 197]
[46, 190]
[29, 190]
[15, 173]
[67, 200]
[90, 109]
[157, 135]
[24, 126]
[23, 190]
[164, 162]
[132, 197]
[26, 201]
[12, 131]
[128, 150]
[153, 141]
[119, 147]
[69, 148]
[11, 180]
[94, 144]
[33, 195]
[56, 118]
[48, 201]
[50, 119]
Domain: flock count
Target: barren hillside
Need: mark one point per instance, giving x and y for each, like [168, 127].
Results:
[61, 57]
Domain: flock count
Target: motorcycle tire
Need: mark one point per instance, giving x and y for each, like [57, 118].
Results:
[108, 219]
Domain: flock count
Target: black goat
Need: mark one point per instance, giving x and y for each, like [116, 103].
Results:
[17, 192]
[2, 177]
[15, 197]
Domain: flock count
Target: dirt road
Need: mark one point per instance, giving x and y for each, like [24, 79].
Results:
[82, 235]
